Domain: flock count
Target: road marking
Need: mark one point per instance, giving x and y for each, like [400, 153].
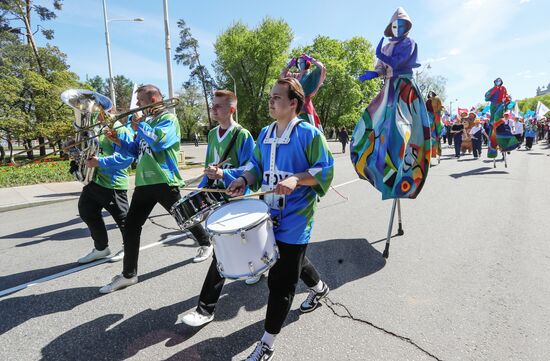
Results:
[82, 267]
[346, 183]
[105, 260]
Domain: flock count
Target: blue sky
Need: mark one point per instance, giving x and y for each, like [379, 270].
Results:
[470, 42]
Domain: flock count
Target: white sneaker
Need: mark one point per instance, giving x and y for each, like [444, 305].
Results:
[118, 257]
[203, 253]
[195, 319]
[118, 282]
[94, 255]
[253, 280]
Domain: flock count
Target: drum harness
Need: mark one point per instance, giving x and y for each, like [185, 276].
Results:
[272, 139]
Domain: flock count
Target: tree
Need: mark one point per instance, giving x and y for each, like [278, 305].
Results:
[187, 54]
[20, 14]
[30, 106]
[255, 58]
[98, 85]
[123, 92]
[191, 110]
[342, 97]
[435, 83]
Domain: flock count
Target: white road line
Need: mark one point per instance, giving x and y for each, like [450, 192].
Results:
[82, 267]
[101, 261]
[346, 183]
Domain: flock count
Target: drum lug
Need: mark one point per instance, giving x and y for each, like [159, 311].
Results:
[219, 266]
[265, 258]
[251, 267]
[243, 236]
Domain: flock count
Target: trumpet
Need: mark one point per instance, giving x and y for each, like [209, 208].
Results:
[86, 104]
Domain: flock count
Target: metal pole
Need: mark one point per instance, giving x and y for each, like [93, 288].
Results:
[107, 42]
[235, 92]
[168, 51]
[386, 252]
[400, 231]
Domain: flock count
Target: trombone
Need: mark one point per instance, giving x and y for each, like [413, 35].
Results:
[86, 102]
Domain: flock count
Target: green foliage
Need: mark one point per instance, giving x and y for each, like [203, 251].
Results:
[254, 57]
[42, 172]
[531, 103]
[191, 111]
[187, 54]
[342, 97]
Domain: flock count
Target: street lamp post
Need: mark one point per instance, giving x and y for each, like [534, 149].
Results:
[106, 21]
[168, 51]
[234, 91]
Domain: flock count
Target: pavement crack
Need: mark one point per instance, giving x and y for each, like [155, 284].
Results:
[334, 306]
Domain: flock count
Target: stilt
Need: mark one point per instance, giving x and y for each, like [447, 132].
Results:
[505, 160]
[386, 253]
[400, 231]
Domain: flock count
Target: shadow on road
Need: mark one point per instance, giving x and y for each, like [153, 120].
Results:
[59, 194]
[339, 261]
[41, 230]
[478, 171]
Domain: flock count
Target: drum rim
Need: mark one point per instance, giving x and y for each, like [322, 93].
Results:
[264, 218]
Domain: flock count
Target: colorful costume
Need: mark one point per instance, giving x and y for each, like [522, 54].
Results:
[391, 143]
[311, 80]
[434, 107]
[500, 133]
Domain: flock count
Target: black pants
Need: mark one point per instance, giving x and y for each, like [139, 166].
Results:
[458, 144]
[143, 201]
[476, 146]
[92, 200]
[283, 279]
[344, 146]
[529, 142]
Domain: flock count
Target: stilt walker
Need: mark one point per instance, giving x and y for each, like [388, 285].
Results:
[391, 143]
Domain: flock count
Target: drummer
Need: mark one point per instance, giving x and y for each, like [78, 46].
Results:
[231, 142]
[292, 159]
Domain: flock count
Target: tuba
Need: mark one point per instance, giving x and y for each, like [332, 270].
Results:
[87, 105]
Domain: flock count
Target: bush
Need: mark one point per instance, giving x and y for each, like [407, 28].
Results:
[46, 171]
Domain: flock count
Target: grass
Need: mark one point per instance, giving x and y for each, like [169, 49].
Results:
[46, 171]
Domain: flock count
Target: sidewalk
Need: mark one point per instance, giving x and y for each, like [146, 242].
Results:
[46, 193]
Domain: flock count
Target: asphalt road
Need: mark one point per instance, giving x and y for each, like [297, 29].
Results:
[467, 281]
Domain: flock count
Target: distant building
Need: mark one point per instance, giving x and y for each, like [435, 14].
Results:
[541, 91]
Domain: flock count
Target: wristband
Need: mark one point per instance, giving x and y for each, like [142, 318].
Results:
[245, 180]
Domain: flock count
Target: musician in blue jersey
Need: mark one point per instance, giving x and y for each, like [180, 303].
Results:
[292, 159]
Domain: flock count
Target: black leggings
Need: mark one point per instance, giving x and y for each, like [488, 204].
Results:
[283, 278]
[92, 200]
[143, 201]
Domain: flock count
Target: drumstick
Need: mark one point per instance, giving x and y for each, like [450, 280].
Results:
[193, 180]
[211, 190]
[251, 195]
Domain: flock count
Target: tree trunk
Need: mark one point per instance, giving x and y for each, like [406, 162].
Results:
[28, 147]
[41, 140]
[2, 154]
[30, 39]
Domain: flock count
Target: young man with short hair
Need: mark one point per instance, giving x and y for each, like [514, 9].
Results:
[228, 139]
[292, 159]
[158, 179]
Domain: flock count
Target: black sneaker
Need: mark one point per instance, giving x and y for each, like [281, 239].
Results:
[262, 352]
[312, 300]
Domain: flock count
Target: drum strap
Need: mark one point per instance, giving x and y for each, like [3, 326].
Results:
[238, 129]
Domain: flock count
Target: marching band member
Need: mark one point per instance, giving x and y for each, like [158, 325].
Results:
[230, 141]
[291, 158]
[107, 190]
[158, 179]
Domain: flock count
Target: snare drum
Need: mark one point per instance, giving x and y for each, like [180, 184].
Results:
[242, 234]
[194, 207]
